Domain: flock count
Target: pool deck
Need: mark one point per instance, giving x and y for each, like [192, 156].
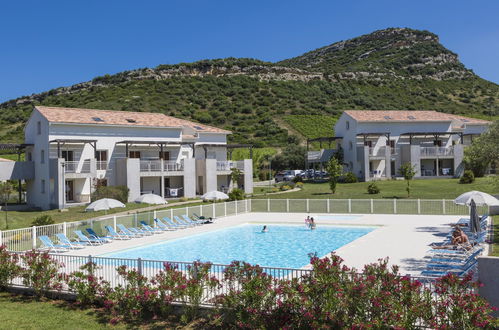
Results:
[402, 238]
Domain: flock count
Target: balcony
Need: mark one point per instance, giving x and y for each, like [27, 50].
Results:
[77, 167]
[377, 152]
[431, 152]
[227, 166]
[158, 166]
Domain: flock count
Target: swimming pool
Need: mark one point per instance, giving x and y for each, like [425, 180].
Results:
[282, 246]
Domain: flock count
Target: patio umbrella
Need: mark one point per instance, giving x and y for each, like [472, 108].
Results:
[104, 204]
[151, 199]
[214, 195]
[480, 199]
[474, 219]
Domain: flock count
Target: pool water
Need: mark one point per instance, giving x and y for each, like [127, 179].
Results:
[282, 246]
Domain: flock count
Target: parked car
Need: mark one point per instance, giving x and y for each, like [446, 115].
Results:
[287, 175]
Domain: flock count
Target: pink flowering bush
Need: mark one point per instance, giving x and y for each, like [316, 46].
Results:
[89, 289]
[9, 266]
[41, 272]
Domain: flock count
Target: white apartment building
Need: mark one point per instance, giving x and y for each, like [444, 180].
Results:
[69, 151]
[376, 143]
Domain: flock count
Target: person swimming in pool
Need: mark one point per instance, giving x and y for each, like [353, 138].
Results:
[264, 229]
[311, 224]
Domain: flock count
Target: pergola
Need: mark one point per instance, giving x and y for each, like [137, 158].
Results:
[434, 135]
[160, 144]
[366, 136]
[17, 148]
[321, 139]
[62, 142]
[230, 147]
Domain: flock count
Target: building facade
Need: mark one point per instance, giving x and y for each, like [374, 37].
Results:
[376, 143]
[69, 152]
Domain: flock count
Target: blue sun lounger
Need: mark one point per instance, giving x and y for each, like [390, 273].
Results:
[89, 240]
[182, 222]
[51, 246]
[162, 225]
[63, 239]
[126, 231]
[190, 221]
[149, 228]
[115, 234]
[173, 224]
[94, 235]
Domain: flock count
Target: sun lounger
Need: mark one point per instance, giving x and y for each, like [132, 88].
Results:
[63, 239]
[140, 231]
[183, 222]
[161, 225]
[89, 240]
[190, 221]
[459, 271]
[149, 228]
[173, 224]
[126, 231]
[51, 246]
[114, 234]
[94, 235]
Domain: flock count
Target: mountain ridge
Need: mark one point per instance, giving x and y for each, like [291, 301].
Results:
[394, 68]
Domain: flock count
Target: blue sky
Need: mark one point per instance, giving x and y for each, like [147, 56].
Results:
[51, 43]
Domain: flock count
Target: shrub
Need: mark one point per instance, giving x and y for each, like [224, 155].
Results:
[350, 177]
[299, 185]
[9, 267]
[43, 220]
[236, 194]
[468, 177]
[88, 288]
[116, 192]
[373, 188]
[297, 179]
[41, 272]
[264, 175]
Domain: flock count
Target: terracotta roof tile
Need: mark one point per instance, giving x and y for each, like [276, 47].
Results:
[408, 115]
[128, 118]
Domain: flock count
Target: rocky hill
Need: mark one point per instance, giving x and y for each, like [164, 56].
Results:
[387, 69]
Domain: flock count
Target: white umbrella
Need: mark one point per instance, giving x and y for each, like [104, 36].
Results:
[479, 197]
[214, 195]
[104, 204]
[151, 199]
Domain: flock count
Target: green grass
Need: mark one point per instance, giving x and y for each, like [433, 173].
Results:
[423, 189]
[20, 312]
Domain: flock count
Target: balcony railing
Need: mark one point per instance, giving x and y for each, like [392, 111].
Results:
[101, 165]
[228, 165]
[73, 166]
[172, 166]
[150, 165]
[436, 151]
[377, 152]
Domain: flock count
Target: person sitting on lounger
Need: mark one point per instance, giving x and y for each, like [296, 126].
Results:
[459, 240]
[264, 229]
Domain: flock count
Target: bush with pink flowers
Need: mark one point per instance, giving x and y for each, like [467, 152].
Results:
[41, 272]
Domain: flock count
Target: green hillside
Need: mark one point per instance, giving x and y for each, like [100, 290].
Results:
[388, 69]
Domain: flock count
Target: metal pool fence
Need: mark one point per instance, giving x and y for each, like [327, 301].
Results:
[107, 270]
[26, 238]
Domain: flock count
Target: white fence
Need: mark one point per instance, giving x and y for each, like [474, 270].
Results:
[26, 238]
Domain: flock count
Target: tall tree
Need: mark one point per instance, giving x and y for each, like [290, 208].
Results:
[483, 151]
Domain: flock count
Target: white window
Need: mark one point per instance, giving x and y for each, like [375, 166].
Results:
[39, 127]
[347, 124]
[42, 188]
[42, 156]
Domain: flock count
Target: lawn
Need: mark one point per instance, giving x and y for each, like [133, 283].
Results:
[24, 312]
[423, 189]
[21, 312]
[495, 229]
